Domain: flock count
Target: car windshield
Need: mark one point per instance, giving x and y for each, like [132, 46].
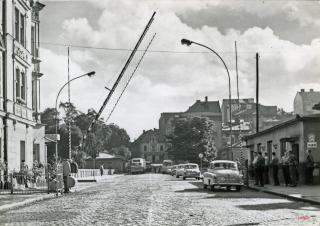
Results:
[225, 165]
[167, 164]
[136, 164]
[191, 167]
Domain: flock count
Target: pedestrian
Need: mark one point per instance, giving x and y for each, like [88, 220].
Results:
[285, 168]
[260, 168]
[66, 173]
[293, 169]
[309, 168]
[254, 165]
[275, 168]
[266, 168]
[101, 170]
[24, 173]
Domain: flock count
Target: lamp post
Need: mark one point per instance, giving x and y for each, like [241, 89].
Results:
[56, 107]
[188, 43]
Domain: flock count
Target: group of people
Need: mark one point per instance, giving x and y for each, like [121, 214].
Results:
[289, 165]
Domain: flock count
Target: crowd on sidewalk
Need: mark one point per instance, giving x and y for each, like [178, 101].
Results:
[261, 165]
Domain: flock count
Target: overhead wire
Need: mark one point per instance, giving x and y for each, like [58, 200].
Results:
[132, 74]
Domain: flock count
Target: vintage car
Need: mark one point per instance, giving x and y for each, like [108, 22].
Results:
[223, 173]
[173, 170]
[180, 170]
[191, 170]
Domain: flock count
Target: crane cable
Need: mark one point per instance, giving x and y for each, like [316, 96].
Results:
[135, 69]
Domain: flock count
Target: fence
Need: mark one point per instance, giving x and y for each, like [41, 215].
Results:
[85, 173]
[37, 180]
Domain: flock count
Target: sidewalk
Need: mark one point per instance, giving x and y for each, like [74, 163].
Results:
[8, 201]
[304, 193]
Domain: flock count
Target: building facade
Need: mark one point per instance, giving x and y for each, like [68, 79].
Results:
[22, 134]
[151, 145]
[304, 102]
[298, 135]
[206, 108]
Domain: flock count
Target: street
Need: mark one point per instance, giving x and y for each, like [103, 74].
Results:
[155, 199]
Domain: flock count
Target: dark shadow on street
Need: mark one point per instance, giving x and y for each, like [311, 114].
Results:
[273, 206]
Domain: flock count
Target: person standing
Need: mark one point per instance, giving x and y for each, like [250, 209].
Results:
[66, 174]
[285, 168]
[260, 168]
[293, 169]
[266, 168]
[309, 168]
[101, 170]
[275, 168]
[255, 171]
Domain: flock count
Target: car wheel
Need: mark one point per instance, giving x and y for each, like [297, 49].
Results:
[212, 187]
[205, 186]
[238, 188]
[183, 178]
[228, 188]
[177, 176]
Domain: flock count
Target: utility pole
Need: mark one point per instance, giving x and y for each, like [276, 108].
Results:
[257, 93]
[69, 124]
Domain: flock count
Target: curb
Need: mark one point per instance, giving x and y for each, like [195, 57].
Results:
[285, 196]
[26, 202]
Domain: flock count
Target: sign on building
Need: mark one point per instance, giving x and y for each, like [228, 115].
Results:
[312, 145]
[52, 137]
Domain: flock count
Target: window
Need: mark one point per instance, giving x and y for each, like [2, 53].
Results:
[22, 24]
[19, 27]
[16, 24]
[18, 83]
[23, 86]
[161, 148]
[34, 95]
[33, 41]
[36, 152]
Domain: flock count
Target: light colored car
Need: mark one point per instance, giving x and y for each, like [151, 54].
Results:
[180, 170]
[191, 170]
[223, 173]
[173, 170]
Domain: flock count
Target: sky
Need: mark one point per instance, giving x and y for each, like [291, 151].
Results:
[171, 77]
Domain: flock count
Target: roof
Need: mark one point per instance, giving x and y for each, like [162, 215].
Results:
[241, 101]
[146, 136]
[284, 124]
[312, 96]
[205, 106]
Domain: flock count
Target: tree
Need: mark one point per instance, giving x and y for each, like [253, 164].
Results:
[122, 151]
[192, 136]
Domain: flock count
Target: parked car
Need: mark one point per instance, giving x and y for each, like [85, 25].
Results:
[191, 170]
[223, 173]
[180, 170]
[173, 170]
[166, 166]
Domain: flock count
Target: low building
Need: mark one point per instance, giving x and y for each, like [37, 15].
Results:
[108, 161]
[298, 134]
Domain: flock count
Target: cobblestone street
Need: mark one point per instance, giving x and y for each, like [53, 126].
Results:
[154, 199]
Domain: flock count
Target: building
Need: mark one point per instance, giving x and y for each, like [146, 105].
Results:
[21, 132]
[108, 161]
[298, 134]
[206, 108]
[151, 145]
[304, 102]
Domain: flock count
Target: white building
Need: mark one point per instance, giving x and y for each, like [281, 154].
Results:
[21, 133]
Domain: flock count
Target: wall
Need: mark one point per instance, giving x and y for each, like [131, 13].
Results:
[114, 163]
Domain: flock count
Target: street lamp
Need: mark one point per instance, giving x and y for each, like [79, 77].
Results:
[188, 43]
[56, 119]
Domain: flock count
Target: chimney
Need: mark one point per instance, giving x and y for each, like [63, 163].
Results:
[206, 99]
[302, 90]
[311, 90]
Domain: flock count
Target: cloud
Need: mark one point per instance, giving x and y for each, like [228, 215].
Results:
[171, 77]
